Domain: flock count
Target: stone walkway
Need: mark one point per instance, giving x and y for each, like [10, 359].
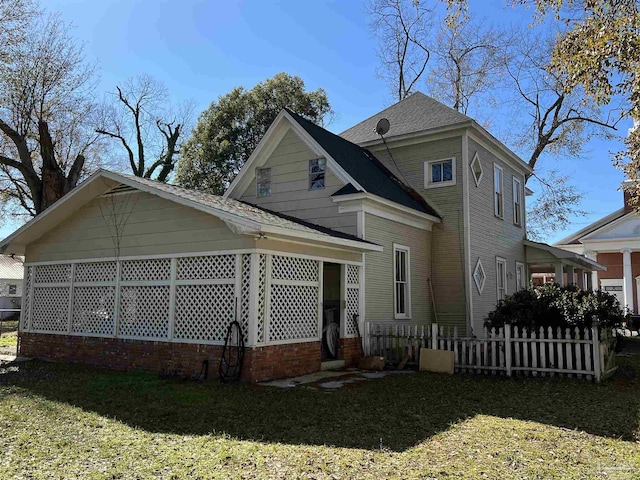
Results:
[7, 359]
[333, 379]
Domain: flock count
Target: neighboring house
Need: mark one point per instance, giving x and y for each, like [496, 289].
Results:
[613, 241]
[316, 229]
[11, 270]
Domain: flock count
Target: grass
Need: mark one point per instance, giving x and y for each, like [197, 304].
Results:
[72, 421]
[8, 333]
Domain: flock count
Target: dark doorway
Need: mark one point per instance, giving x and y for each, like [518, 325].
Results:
[331, 309]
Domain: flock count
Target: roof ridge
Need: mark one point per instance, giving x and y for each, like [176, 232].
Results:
[415, 94]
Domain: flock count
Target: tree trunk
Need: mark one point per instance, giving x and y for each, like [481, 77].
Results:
[54, 183]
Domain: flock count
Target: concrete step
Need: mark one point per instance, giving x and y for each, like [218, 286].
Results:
[332, 364]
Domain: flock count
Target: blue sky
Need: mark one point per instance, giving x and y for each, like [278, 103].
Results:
[202, 49]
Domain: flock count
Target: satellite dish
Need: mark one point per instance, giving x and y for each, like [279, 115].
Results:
[382, 127]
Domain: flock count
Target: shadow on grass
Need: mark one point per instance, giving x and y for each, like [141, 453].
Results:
[397, 412]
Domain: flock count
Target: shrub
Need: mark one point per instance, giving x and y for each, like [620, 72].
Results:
[554, 306]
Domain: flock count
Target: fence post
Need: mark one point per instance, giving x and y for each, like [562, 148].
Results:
[507, 348]
[434, 336]
[596, 354]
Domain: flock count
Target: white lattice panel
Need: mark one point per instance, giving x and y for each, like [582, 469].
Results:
[93, 310]
[353, 274]
[203, 312]
[353, 308]
[296, 269]
[293, 312]
[245, 295]
[60, 273]
[212, 267]
[26, 300]
[261, 300]
[50, 309]
[144, 270]
[95, 272]
[144, 311]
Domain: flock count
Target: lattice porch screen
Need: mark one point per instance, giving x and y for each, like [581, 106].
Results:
[352, 298]
[185, 299]
[293, 303]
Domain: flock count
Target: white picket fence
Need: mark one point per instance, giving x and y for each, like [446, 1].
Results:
[582, 353]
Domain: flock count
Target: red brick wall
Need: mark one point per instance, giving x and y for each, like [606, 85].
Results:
[281, 361]
[184, 359]
[349, 350]
[613, 262]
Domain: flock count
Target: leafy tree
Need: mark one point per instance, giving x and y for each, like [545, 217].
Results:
[141, 121]
[231, 128]
[46, 105]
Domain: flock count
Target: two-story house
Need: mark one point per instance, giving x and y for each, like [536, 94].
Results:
[318, 234]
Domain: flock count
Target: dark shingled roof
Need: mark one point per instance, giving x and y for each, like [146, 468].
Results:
[365, 168]
[304, 223]
[415, 113]
[348, 189]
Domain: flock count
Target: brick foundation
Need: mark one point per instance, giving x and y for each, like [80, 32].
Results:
[182, 359]
[349, 350]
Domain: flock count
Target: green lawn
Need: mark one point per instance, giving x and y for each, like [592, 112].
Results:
[62, 421]
[8, 333]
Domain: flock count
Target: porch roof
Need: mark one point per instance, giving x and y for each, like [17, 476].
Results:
[538, 253]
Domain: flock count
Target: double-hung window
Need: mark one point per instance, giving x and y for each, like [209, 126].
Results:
[440, 173]
[501, 276]
[317, 170]
[517, 201]
[498, 189]
[402, 282]
[263, 182]
[521, 281]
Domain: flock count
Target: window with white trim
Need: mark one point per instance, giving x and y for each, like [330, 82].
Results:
[263, 182]
[498, 195]
[479, 276]
[13, 289]
[440, 173]
[521, 280]
[317, 170]
[476, 169]
[517, 201]
[501, 277]
[402, 282]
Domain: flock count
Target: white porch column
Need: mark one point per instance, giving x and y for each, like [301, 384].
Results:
[594, 273]
[580, 278]
[628, 278]
[571, 275]
[559, 274]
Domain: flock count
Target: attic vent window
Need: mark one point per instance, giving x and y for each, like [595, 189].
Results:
[479, 276]
[317, 170]
[263, 182]
[476, 168]
[440, 173]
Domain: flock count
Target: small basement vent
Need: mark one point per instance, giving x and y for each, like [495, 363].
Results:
[120, 189]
